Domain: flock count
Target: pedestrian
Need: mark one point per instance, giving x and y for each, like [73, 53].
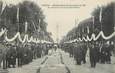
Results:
[11, 57]
[109, 49]
[19, 50]
[84, 52]
[78, 54]
[93, 56]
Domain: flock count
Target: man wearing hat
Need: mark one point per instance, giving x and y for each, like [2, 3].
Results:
[11, 56]
[93, 55]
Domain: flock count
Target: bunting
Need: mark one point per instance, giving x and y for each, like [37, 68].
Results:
[18, 36]
[93, 37]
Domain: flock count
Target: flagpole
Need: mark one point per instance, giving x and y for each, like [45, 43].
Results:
[100, 20]
[114, 17]
[26, 27]
[93, 27]
[18, 17]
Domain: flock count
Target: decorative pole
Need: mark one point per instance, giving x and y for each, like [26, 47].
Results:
[18, 17]
[39, 30]
[93, 18]
[100, 20]
[17, 23]
[100, 15]
[26, 27]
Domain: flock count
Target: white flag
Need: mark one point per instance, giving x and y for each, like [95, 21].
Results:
[100, 15]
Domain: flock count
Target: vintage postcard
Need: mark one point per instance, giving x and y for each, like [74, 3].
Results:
[57, 36]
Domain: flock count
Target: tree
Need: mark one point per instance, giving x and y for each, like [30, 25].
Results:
[107, 23]
[15, 18]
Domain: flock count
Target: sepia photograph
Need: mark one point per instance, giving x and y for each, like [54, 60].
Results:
[57, 36]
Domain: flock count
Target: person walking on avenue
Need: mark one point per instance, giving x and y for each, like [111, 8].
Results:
[26, 55]
[78, 54]
[93, 56]
[38, 51]
[98, 51]
[108, 51]
[84, 51]
[3, 53]
[103, 54]
[11, 56]
[19, 55]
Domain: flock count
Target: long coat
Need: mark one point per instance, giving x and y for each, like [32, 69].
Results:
[11, 56]
[78, 54]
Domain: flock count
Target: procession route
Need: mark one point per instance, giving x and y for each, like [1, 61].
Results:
[60, 62]
[68, 70]
[54, 64]
[29, 68]
[38, 70]
[85, 68]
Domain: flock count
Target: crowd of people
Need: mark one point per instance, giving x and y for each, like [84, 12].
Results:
[98, 52]
[18, 55]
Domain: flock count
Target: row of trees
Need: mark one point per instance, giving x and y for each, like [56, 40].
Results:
[102, 20]
[26, 18]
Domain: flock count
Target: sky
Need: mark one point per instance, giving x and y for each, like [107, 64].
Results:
[64, 18]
